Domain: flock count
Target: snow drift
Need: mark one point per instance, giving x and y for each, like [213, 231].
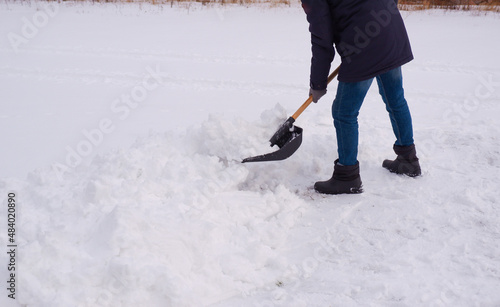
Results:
[137, 226]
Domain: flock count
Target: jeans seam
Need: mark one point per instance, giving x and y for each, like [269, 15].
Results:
[391, 112]
[337, 107]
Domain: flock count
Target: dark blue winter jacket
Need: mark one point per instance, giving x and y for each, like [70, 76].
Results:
[369, 35]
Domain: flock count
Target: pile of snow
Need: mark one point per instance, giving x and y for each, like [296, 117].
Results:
[171, 221]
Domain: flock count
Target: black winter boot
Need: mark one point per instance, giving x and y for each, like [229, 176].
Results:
[405, 163]
[345, 180]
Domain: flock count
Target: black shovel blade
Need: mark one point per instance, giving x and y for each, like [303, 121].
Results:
[284, 133]
[289, 146]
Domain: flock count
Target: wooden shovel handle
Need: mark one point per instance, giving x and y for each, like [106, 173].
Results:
[310, 99]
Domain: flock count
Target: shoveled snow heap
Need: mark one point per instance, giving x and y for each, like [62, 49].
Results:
[171, 222]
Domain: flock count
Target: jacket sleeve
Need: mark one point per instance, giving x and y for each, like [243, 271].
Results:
[321, 28]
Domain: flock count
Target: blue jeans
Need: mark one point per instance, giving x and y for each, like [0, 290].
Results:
[345, 110]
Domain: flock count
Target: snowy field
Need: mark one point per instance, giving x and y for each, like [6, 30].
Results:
[123, 127]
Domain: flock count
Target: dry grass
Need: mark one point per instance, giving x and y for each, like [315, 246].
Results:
[463, 5]
[155, 2]
[407, 5]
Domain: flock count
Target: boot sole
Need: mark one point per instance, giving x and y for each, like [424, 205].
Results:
[405, 174]
[352, 190]
[388, 163]
[356, 190]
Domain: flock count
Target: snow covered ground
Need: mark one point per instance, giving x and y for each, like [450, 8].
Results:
[122, 128]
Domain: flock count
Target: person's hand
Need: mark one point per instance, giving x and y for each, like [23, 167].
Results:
[317, 94]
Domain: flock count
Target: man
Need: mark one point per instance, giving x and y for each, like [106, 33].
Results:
[371, 39]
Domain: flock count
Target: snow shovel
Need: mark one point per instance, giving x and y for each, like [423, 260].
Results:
[288, 137]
